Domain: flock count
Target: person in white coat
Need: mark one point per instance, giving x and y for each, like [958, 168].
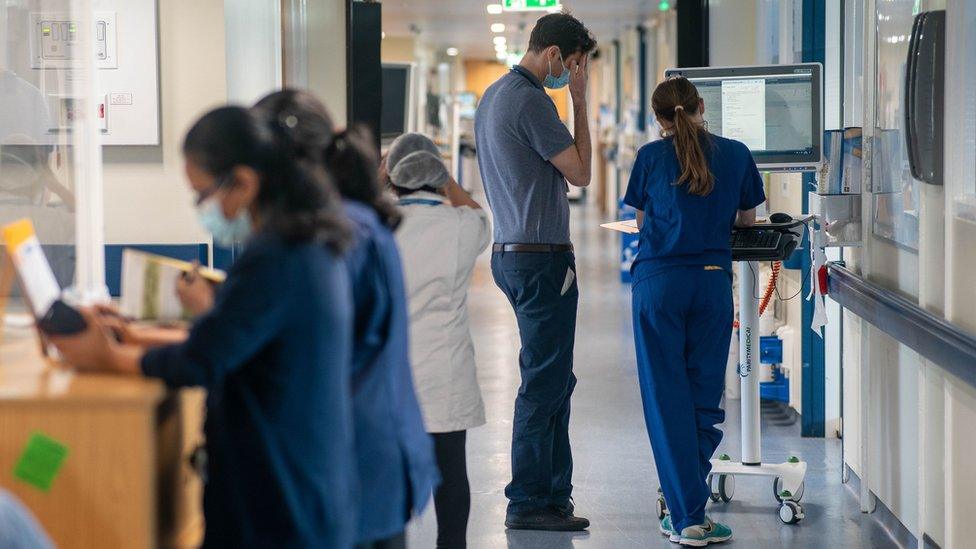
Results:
[442, 233]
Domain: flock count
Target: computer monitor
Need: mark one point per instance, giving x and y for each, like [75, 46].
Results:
[467, 104]
[776, 110]
[397, 100]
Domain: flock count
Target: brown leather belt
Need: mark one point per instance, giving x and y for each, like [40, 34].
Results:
[532, 248]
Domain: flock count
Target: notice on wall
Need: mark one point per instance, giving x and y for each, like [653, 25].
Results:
[41, 461]
[744, 112]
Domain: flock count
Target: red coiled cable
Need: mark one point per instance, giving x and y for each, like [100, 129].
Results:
[768, 294]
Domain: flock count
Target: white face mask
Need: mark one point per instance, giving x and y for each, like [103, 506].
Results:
[226, 232]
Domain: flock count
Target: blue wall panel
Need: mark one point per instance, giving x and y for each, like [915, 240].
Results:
[812, 409]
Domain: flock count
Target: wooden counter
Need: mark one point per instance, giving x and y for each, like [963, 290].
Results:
[126, 480]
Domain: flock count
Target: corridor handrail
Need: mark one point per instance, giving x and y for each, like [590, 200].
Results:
[934, 338]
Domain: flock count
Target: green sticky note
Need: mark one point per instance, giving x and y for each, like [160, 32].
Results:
[41, 461]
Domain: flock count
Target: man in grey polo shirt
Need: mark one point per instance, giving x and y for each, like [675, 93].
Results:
[527, 156]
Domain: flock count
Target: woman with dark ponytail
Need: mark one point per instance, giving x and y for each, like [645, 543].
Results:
[689, 188]
[397, 470]
[274, 352]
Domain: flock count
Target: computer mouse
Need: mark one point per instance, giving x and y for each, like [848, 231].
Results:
[780, 217]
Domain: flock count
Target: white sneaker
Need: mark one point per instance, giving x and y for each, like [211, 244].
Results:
[701, 535]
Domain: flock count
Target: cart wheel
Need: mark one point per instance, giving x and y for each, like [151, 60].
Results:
[726, 487]
[661, 507]
[778, 491]
[790, 512]
[714, 495]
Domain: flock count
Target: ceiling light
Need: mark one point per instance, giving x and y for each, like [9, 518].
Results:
[499, 40]
[382, 36]
[451, 52]
[498, 27]
[501, 47]
[495, 9]
[501, 56]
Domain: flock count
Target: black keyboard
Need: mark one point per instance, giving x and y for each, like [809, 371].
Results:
[758, 244]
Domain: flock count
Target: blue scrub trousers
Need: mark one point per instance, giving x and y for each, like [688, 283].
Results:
[544, 294]
[682, 328]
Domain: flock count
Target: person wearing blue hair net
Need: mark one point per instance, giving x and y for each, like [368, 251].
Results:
[442, 233]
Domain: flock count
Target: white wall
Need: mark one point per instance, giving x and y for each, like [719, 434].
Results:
[146, 196]
[960, 398]
[327, 55]
[253, 38]
[918, 431]
[732, 32]
[893, 425]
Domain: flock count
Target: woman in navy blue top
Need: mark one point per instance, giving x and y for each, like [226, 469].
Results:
[274, 352]
[690, 188]
[397, 470]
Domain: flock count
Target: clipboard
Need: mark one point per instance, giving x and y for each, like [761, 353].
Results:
[626, 226]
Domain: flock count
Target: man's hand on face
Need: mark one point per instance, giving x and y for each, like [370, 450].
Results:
[578, 75]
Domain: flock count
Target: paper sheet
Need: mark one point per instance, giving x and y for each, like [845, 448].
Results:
[149, 286]
[628, 226]
[817, 260]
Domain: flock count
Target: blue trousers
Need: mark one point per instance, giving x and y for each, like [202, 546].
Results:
[542, 289]
[682, 329]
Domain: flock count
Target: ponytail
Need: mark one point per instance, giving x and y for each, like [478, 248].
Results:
[352, 161]
[676, 100]
[349, 157]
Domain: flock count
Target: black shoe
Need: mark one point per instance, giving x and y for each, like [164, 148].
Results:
[568, 509]
[550, 519]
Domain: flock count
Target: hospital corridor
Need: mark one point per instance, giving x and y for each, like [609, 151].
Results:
[485, 274]
[612, 470]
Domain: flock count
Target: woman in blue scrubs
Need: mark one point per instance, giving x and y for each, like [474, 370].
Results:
[689, 188]
[397, 470]
[274, 352]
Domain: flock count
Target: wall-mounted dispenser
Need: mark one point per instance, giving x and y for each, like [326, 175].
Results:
[924, 97]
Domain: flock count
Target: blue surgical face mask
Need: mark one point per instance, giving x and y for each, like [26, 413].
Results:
[226, 232]
[556, 82]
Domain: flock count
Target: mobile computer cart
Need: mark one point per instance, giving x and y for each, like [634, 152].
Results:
[773, 241]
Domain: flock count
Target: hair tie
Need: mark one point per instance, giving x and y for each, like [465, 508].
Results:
[286, 122]
[679, 108]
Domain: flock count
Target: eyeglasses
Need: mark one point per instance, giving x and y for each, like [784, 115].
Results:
[219, 182]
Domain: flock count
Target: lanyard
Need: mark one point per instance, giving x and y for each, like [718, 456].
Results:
[521, 71]
[421, 201]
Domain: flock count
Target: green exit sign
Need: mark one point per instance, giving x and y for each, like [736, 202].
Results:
[531, 5]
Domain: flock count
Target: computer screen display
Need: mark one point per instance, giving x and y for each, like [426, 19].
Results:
[396, 95]
[774, 110]
[468, 104]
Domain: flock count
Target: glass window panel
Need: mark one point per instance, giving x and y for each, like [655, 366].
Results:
[895, 199]
[853, 64]
[41, 95]
[964, 40]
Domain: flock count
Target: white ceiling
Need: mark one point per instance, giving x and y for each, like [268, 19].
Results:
[464, 24]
